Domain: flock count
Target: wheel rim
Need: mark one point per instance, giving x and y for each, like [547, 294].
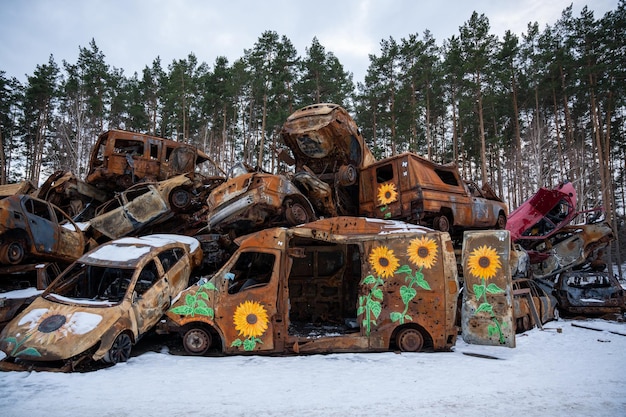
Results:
[180, 199]
[297, 214]
[120, 351]
[443, 224]
[410, 340]
[196, 341]
[14, 252]
[501, 224]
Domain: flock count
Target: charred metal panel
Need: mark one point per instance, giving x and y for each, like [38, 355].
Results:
[487, 309]
[590, 293]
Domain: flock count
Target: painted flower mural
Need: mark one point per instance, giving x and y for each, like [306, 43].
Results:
[422, 252]
[484, 263]
[383, 261]
[387, 194]
[251, 321]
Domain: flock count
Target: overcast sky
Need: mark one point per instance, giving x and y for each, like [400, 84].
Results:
[132, 33]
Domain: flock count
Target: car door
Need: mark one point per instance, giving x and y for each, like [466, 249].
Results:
[43, 229]
[151, 296]
[71, 242]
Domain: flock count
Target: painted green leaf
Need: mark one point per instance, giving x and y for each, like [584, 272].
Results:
[423, 283]
[203, 295]
[236, 343]
[404, 269]
[377, 294]
[407, 293]
[387, 215]
[209, 286]
[375, 307]
[494, 289]
[360, 310]
[30, 352]
[182, 310]
[201, 303]
[407, 317]
[491, 330]
[190, 299]
[10, 339]
[395, 316]
[479, 290]
[485, 307]
[204, 311]
[249, 344]
[383, 209]
[369, 280]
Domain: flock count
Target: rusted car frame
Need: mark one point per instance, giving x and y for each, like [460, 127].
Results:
[143, 205]
[120, 159]
[100, 305]
[589, 293]
[34, 228]
[544, 304]
[342, 284]
[253, 200]
[417, 190]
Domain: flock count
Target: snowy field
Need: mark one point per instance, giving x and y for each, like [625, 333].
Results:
[577, 372]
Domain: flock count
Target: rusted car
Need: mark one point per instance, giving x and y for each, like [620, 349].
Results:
[543, 214]
[249, 201]
[589, 293]
[21, 284]
[34, 228]
[120, 159]
[417, 190]
[329, 151]
[143, 205]
[545, 304]
[342, 284]
[572, 246]
[100, 305]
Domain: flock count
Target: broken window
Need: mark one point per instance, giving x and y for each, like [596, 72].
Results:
[169, 257]
[147, 277]
[94, 283]
[447, 177]
[128, 147]
[384, 173]
[38, 208]
[252, 269]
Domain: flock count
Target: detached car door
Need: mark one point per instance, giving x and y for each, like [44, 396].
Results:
[43, 228]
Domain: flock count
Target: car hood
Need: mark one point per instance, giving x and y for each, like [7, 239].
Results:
[49, 331]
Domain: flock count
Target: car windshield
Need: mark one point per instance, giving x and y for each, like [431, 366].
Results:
[91, 283]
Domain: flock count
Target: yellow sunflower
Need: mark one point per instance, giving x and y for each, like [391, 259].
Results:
[48, 326]
[250, 319]
[484, 262]
[423, 252]
[387, 193]
[383, 261]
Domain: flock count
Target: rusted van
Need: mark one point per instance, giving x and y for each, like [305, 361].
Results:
[342, 284]
[120, 158]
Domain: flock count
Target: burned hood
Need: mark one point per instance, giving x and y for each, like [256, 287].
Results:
[50, 331]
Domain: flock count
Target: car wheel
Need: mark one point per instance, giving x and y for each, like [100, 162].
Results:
[180, 198]
[410, 340]
[196, 341]
[13, 252]
[120, 350]
[501, 223]
[441, 223]
[296, 213]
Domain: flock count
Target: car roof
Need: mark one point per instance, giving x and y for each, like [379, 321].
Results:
[128, 252]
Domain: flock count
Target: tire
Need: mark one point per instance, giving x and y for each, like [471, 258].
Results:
[13, 252]
[197, 341]
[297, 213]
[410, 340]
[120, 350]
[180, 199]
[501, 223]
[442, 223]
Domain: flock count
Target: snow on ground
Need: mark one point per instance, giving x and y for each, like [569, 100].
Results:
[577, 372]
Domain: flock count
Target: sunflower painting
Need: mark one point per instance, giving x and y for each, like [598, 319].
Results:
[423, 252]
[387, 194]
[383, 261]
[484, 263]
[251, 321]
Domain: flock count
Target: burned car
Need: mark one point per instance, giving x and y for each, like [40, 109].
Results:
[101, 304]
[249, 201]
[589, 293]
[526, 291]
[143, 205]
[120, 159]
[543, 214]
[34, 228]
